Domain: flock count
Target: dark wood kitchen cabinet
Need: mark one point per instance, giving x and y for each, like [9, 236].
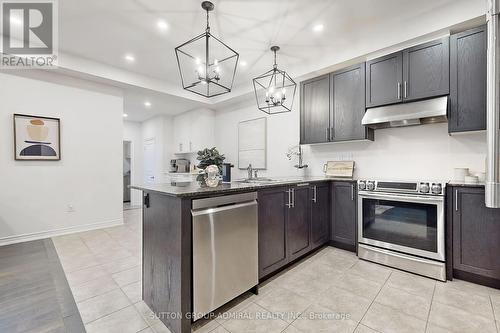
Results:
[299, 222]
[426, 70]
[467, 110]
[320, 214]
[348, 105]
[315, 110]
[344, 209]
[272, 229]
[475, 240]
[416, 73]
[384, 78]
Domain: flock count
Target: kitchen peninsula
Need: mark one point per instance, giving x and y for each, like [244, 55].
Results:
[294, 218]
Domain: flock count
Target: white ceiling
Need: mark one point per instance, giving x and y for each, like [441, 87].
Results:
[104, 31]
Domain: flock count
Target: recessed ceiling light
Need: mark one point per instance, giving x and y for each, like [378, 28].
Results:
[162, 25]
[129, 58]
[318, 27]
[147, 104]
[125, 115]
[243, 63]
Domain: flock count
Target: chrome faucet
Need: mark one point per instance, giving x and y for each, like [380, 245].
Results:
[297, 152]
[250, 171]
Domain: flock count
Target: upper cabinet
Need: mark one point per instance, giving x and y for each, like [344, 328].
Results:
[332, 106]
[416, 73]
[348, 104]
[384, 77]
[426, 70]
[468, 81]
[193, 131]
[315, 110]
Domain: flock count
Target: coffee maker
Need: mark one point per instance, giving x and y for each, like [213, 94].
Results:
[180, 165]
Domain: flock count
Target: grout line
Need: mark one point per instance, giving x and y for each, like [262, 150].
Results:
[430, 308]
[109, 314]
[494, 317]
[373, 301]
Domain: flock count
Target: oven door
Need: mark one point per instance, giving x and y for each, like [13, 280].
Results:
[412, 224]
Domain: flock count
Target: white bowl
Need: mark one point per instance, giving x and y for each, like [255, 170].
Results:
[471, 179]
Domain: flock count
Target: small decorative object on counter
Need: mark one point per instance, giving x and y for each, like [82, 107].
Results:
[459, 174]
[209, 157]
[339, 169]
[212, 176]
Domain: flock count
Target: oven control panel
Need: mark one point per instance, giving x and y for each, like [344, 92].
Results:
[415, 187]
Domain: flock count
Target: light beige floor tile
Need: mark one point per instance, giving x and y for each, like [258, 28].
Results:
[385, 319]
[292, 329]
[128, 276]
[204, 326]
[358, 285]
[113, 255]
[230, 310]
[319, 319]
[133, 291]
[84, 275]
[432, 328]
[122, 264]
[160, 328]
[308, 286]
[342, 301]
[458, 320]
[473, 288]
[364, 329]
[464, 299]
[93, 288]
[147, 330]
[147, 314]
[412, 283]
[496, 310]
[338, 260]
[254, 319]
[371, 271]
[405, 302]
[285, 303]
[80, 262]
[126, 320]
[102, 305]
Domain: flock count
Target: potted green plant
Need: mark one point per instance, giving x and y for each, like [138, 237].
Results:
[209, 156]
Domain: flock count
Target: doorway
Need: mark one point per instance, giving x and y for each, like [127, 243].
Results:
[127, 172]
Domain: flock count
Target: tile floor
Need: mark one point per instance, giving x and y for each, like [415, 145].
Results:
[331, 291]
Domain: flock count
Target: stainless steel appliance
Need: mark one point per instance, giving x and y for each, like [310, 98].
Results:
[225, 253]
[401, 224]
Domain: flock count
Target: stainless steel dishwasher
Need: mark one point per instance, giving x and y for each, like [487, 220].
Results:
[225, 253]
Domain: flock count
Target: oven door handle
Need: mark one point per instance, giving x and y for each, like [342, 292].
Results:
[412, 198]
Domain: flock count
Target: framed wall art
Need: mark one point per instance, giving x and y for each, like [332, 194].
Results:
[36, 138]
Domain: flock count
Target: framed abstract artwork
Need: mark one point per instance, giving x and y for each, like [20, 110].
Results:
[36, 138]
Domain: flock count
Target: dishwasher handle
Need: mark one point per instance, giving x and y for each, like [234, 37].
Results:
[223, 208]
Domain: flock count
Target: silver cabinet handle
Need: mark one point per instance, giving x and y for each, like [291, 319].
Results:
[314, 199]
[456, 200]
[405, 89]
[289, 204]
[293, 198]
[399, 90]
[352, 192]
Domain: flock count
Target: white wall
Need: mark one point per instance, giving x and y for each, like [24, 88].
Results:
[425, 151]
[34, 196]
[132, 131]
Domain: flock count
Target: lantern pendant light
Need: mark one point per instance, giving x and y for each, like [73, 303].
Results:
[275, 89]
[207, 66]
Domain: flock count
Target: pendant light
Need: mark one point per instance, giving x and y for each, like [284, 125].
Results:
[207, 65]
[275, 89]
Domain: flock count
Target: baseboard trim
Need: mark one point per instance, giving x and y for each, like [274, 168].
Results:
[343, 246]
[58, 232]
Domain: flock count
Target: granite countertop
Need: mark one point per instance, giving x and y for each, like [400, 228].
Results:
[193, 189]
[464, 184]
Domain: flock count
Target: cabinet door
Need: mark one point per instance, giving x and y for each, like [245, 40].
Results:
[344, 215]
[348, 104]
[272, 229]
[315, 110]
[476, 233]
[468, 81]
[384, 80]
[320, 214]
[299, 223]
[426, 70]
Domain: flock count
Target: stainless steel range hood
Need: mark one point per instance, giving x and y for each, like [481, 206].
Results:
[492, 185]
[407, 114]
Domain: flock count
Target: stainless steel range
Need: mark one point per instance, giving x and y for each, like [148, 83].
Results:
[401, 224]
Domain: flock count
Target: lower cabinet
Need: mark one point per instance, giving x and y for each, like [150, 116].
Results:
[475, 242]
[344, 221]
[293, 220]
